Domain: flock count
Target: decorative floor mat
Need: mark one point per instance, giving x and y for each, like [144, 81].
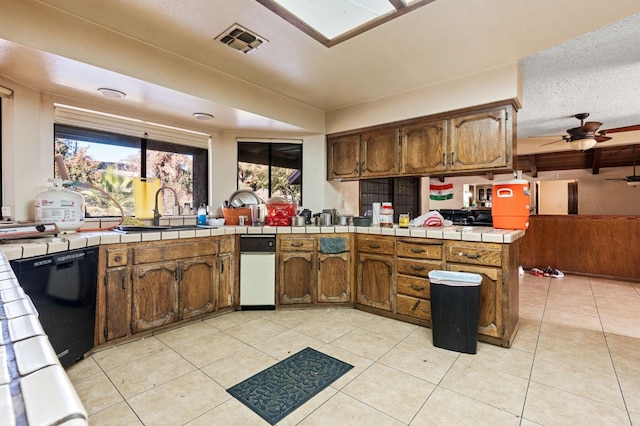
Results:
[277, 391]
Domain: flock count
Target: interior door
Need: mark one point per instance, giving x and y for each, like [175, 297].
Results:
[572, 193]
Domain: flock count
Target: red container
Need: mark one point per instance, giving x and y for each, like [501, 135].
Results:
[279, 214]
[510, 204]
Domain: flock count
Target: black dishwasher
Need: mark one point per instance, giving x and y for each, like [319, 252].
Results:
[62, 287]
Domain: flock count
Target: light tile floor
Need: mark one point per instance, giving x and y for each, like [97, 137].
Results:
[575, 360]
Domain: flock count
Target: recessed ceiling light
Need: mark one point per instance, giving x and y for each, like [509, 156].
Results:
[202, 116]
[112, 93]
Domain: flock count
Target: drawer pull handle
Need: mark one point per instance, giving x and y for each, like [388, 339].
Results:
[417, 268]
[118, 258]
[470, 256]
[417, 250]
[374, 246]
[417, 287]
[415, 305]
[296, 244]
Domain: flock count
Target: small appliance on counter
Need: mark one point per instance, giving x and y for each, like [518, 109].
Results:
[61, 206]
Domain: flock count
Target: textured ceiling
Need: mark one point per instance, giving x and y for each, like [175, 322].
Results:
[598, 73]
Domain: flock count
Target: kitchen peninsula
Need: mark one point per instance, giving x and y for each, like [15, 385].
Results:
[386, 273]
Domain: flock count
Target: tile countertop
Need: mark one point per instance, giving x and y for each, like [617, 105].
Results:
[87, 239]
[34, 388]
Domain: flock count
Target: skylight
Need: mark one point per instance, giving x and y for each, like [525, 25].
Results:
[334, 21]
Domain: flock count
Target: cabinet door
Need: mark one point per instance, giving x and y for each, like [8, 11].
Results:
[197, 286]
[334, 277]
[225, 281]
[491, 322]
[375, 281]
[154, 295]
[296, 278]
[380, 152]
[343, 157]
[424, 148]
[479, 141]
[118, 303]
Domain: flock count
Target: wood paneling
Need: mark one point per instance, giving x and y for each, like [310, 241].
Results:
[607, 246]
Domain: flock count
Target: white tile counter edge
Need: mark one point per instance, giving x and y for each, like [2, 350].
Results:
[87, 239]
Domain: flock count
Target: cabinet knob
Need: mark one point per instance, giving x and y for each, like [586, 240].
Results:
[118, 258]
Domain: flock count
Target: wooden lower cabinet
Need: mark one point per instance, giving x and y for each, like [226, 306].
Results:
[154, 295]
[334, 277]
[314, 269]
[375, 280]
[415, 258]
[149, 285]
[296, 278]
[117, 304]
[197, 284]
[226, 279]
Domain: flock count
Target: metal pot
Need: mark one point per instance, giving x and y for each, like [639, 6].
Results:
[298, 220]
[325, 219]
[344, 220]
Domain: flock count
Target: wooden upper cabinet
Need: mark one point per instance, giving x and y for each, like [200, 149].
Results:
[458, 142]
[380, 153]
[479, 141]
[424, 147]
[343, 157]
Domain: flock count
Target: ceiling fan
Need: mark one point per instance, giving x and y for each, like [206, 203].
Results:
[585, 137]
[633, 180]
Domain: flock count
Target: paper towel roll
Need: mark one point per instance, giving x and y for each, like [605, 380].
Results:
[375, 219]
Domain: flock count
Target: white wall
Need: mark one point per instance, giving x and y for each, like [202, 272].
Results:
[554, 197]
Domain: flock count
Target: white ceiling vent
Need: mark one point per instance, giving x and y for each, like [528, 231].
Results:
[241, 39]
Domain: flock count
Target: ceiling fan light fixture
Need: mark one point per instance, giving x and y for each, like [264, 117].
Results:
[583, 144]
[633, 183]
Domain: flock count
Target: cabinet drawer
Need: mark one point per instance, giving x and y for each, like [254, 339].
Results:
[225, 245]
[414, 307]
[160, 252]
[296, 244]
[378, 245]
[116, 257]
[474, 253]
[413, 286]
[416, 267]
[419, 251]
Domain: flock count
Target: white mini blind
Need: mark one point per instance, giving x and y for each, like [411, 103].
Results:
[79, 117]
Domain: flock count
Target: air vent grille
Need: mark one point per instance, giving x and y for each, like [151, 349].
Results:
[240, 39]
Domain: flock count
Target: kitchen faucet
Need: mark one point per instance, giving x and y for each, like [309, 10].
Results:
[156, 212]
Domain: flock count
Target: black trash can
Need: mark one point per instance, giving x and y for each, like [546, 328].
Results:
[455, 306]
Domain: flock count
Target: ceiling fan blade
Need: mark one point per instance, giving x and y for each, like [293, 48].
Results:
[549, 143]
[618, 180]
[591, 126]
[623, 129]
[602, 138]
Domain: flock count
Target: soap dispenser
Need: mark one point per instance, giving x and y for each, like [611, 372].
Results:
[202, 215]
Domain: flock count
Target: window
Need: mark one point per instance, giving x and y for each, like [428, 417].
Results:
[271, 169]
[404, 193]
[110, 162]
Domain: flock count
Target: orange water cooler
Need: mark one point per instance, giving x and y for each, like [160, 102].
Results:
[510, 204]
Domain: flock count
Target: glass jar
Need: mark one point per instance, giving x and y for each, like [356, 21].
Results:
[403, 220]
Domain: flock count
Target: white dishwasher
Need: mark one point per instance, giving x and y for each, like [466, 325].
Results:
[257, 271]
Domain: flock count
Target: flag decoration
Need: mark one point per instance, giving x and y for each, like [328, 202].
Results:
[441, 192]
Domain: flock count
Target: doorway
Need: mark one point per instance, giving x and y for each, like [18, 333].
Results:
[572, 193]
